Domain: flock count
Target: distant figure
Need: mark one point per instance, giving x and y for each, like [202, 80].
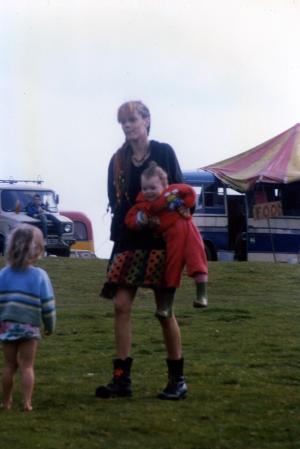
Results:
[165, 208]
[26, 300]
[37, 209]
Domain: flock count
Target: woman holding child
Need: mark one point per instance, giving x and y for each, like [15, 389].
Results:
[137, 258]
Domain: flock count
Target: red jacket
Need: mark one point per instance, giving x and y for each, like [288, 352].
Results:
[161, 207]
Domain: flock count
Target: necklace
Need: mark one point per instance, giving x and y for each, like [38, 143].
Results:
[137, 161]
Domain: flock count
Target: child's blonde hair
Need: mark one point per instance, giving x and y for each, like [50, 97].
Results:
[25, 246]
[155, 170]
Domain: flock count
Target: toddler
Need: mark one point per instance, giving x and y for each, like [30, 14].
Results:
[166, 209]
[26, 300]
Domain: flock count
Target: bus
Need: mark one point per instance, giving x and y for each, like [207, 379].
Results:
[83, 232]
[262, 224]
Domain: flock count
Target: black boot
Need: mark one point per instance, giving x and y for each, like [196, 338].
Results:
[120, 385]
[164, 302]
[201, 300]
[176, 387]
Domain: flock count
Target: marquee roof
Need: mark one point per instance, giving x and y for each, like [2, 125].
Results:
[275, 161]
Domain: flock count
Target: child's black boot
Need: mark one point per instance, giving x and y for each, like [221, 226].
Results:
[120, 384]
[164, 303]
[176, 388]
[201, 300]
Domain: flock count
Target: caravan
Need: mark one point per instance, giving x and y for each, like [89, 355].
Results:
[249, 205]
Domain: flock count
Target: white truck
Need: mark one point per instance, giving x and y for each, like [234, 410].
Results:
[15, 196]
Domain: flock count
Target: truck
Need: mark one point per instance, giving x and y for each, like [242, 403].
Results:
[15, 195]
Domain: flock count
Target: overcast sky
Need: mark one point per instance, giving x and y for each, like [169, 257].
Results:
[218, 76]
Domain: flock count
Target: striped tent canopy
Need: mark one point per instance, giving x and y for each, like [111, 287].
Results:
[274, 161]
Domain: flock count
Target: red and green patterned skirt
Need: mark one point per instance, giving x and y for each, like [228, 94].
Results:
[134, 268]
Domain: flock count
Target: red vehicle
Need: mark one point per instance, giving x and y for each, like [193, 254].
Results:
[83, 233]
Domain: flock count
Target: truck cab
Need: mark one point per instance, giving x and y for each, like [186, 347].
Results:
[15, 196]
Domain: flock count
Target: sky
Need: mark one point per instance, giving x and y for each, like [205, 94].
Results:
[219, 78]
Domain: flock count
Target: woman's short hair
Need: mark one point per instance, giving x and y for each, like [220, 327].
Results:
[128, 108]
[25, 245]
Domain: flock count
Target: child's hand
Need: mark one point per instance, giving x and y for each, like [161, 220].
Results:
[175, 204]
[173, 201]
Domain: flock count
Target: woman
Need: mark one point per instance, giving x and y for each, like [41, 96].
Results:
[138, 257]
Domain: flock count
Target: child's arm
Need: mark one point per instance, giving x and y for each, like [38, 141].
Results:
[49, 315]
[136, 217]
[48, 305]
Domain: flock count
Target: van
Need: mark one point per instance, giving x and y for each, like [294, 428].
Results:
[15, 196]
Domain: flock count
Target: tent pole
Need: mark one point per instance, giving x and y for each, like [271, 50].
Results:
[272, 241]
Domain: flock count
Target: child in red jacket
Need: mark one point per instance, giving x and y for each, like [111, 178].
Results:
[166, 209]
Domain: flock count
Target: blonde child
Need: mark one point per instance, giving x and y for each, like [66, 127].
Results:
[165, 208]
[26, 300]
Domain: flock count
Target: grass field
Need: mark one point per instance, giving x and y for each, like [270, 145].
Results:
[242, 366]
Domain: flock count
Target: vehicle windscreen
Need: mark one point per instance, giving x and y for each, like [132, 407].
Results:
[20, 199]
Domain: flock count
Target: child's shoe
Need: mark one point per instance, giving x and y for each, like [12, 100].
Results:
[200, 303]
[201, 300]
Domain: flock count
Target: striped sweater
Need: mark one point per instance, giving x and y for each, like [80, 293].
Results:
[27, 297]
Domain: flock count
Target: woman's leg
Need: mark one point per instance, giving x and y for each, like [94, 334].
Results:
[26, 356]
[120, 384]
[164, 299]
[172, 337]
[123, 305]
[176, 387]
[9, 370]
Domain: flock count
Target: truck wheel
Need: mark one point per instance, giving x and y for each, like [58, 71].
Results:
[65, 252]
[61, 252]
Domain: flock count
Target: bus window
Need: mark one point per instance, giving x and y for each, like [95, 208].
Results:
[290, 196]
[214, 199]
[199, 199]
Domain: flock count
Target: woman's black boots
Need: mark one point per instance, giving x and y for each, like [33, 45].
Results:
[176, 387]
[120, 385]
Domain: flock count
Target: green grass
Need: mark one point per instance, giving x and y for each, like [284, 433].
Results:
[242, 366]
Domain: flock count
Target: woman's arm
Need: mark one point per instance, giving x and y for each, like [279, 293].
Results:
[111, 190]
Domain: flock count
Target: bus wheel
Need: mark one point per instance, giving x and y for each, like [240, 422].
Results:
[210, 253]
[2, 245]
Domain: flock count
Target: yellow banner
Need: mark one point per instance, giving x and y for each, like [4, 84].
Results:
[267, 210]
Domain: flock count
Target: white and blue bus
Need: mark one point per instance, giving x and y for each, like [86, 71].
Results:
[260, 225]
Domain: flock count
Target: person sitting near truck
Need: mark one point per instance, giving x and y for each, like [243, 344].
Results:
[37, 209]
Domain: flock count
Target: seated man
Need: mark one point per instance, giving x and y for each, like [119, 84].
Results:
[37, 209]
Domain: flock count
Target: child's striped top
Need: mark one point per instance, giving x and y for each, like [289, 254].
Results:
[27, 297]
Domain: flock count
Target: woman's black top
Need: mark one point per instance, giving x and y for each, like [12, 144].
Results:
[124, 238]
